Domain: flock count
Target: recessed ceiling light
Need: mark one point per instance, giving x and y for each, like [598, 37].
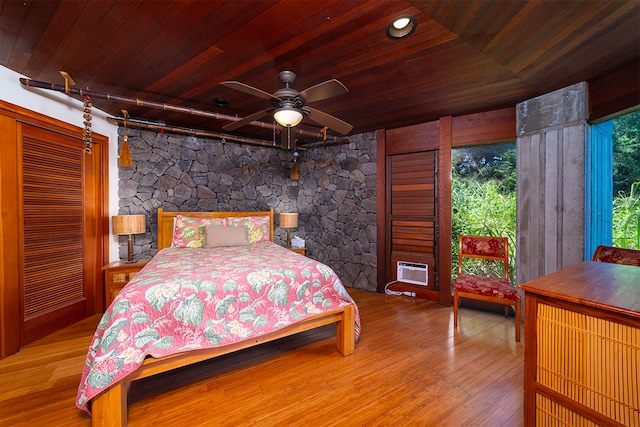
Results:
[401, 26]
[221, 102]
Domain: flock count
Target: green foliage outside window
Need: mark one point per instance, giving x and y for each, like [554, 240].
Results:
[483, 199]
[626, 218]
[626, 181]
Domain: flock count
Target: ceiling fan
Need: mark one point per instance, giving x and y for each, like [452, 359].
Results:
[289, 105]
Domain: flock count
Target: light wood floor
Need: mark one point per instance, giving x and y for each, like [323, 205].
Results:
[410, 368]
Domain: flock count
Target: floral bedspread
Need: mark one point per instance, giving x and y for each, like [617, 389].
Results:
[186, 299]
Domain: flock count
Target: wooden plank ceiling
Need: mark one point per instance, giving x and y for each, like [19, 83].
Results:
[464, 57]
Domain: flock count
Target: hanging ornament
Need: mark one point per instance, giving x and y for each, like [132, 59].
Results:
[88, 143]
[294, 169]
[125, 153]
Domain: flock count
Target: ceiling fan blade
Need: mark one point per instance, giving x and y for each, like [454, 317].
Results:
[329, 121]
[243, 122]
[248, 89]
[323, 90]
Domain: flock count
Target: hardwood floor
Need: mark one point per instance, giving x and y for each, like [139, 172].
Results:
[410, 369]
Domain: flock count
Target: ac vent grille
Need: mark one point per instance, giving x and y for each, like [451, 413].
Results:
[414, 273]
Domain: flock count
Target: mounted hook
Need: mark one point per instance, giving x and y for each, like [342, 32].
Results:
[68, 81]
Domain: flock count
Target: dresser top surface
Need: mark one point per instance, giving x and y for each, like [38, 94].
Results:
[608, 286]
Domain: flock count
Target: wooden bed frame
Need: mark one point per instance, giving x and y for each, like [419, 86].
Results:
[109, 408]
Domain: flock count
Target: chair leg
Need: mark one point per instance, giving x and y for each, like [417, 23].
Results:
[455, 308]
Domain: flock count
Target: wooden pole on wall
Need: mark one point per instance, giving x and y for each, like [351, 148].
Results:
[444, 209]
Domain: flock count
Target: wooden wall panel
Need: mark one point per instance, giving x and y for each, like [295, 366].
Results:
[615, 93]
[412, 139]
[484, 128]
[9, 277]
[444, 210]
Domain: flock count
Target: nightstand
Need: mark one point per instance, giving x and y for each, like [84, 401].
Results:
[117, 274]
[301, 251]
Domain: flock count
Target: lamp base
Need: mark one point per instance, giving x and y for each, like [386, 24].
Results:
[130, 249]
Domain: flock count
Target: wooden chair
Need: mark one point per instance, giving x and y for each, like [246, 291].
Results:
[490, 289]
[615, 255]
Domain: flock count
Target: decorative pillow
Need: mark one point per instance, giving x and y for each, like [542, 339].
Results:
[189, 232]
[218, 236]
[257, 227]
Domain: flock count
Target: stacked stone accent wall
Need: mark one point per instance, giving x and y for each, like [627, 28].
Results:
[335, 195]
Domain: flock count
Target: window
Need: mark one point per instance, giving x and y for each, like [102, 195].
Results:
[483, 195]
[613, 184]
[626, 181]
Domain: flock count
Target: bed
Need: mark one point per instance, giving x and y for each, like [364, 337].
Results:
[218, 284]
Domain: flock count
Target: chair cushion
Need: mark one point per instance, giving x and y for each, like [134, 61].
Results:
[487, 286]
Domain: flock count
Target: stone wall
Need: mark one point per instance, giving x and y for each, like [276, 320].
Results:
[335, 195]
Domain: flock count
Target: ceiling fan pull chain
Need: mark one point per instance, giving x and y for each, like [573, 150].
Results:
[275, 133]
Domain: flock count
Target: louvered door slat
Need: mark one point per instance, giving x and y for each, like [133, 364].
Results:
[413, 202]
[53, 225]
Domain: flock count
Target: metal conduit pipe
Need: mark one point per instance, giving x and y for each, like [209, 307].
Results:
[161, 106]
[139, 124]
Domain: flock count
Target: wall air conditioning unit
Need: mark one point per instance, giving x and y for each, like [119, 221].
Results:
[411, 272]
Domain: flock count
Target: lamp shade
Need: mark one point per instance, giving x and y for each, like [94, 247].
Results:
[288, 220]
[128, 224]
[287, 116]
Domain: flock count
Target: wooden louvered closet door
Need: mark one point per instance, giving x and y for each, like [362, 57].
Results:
[53, 255]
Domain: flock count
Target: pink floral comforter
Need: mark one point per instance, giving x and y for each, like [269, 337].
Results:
[186, 299]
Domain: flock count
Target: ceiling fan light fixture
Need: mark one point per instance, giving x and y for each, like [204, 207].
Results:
[287, 116]
[401, 26]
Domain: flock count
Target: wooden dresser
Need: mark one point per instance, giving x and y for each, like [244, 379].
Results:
[582, 346]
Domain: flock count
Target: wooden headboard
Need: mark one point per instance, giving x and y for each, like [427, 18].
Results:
[166, 220]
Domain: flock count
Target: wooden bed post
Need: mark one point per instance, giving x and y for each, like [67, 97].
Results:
[109, 408]
[345, 332]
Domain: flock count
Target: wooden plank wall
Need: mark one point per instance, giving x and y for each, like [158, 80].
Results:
[550, 183]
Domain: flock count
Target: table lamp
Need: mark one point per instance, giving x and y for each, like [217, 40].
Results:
[288, 221]
[129, 225]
